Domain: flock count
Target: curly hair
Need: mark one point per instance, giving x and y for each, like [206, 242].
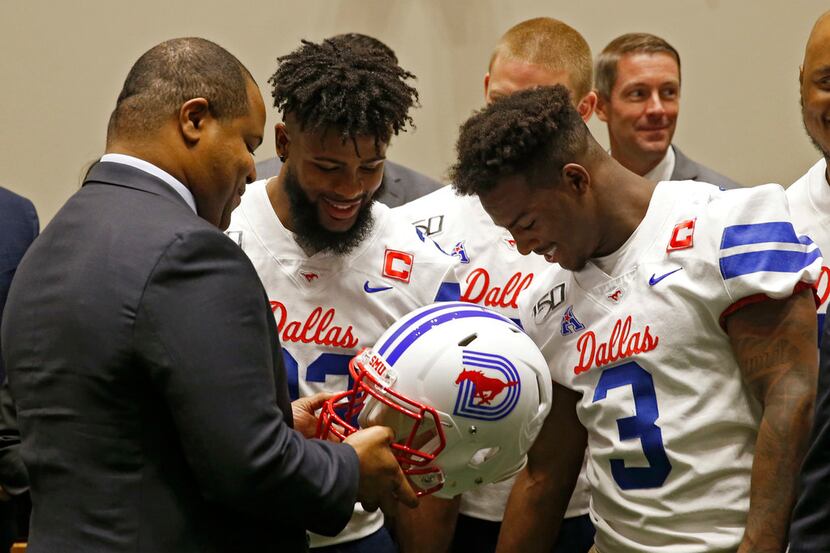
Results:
[331, 85]
[524, 133]
[366, 42]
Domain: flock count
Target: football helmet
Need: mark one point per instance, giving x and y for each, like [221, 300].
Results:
[465, 390]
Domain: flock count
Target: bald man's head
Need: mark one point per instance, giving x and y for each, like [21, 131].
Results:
[815, 85]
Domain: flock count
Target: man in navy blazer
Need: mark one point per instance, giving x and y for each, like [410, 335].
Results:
[142, 353]
[18, 228]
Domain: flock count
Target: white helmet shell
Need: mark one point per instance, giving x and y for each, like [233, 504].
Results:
[464, 389]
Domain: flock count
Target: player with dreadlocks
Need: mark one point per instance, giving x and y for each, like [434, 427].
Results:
[337, 266]
[399, 184]
[334, 98]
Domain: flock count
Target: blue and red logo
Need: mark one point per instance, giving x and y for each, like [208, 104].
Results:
[460, 252]
[570, 323]
[489, 386]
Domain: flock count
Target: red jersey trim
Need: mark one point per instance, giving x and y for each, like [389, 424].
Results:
[757, 298]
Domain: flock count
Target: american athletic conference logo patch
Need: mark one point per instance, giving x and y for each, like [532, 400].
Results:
[489, 386]
[460, 252]
[570, 323]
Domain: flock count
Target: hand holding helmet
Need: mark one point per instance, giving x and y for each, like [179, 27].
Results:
[463, 388]
[382, 484]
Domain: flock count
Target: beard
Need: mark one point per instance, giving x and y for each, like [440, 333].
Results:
[821, 149]
[311, 234]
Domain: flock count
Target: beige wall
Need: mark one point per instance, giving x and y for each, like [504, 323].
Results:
[62, 64]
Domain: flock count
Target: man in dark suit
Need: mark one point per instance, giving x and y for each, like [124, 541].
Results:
[142, 354]
[809, 530]
[638, 87]
[18, 228]
[400, 184]
[809, 198]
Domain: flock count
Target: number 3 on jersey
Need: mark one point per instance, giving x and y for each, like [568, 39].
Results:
[641, 426]
[326, 364]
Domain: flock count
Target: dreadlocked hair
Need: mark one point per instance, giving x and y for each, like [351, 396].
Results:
[525, 133]
[333, 86]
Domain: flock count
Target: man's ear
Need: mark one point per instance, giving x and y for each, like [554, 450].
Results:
[576, 178]
[601, 108]
[587, 105]
[487, 87]
[192, 117]
[281, 141]
[800, 75]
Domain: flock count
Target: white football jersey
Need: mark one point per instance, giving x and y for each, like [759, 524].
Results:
[809, 199]
[493, 274]
[671, 424]
[491, 270]
[328, 307]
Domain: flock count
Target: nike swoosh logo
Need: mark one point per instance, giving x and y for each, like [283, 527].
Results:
[370, 290]
[655, 279]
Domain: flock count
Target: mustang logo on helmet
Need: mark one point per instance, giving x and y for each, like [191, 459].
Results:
[449, 439]
[484, 387]
[477, 391]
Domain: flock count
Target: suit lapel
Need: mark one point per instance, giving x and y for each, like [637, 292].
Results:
[684, 169]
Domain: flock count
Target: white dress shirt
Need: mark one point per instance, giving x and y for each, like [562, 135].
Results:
[664, 169]
[148, 167]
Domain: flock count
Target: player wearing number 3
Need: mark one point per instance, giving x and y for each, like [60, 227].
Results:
[338, 268]
[682, 350]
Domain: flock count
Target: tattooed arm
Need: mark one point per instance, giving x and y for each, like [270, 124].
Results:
[775, 345]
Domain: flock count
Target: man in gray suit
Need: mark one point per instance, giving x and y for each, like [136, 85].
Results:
[143, 355]
[638, 86]
[400, 184]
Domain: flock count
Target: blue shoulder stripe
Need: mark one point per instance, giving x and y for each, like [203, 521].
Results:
[448, 291]
[775, 261]
[758, 233]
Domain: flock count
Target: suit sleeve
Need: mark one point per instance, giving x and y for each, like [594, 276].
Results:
[13, 476]
[202, 329]
[811, 517]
